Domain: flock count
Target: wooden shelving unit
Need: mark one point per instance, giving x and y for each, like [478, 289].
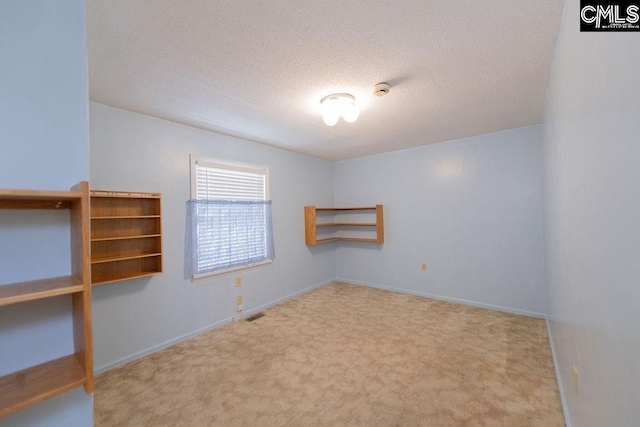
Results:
[312, 225]
[126, 235]
[35, 384]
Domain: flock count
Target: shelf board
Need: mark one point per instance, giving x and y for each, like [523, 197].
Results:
[347, 224]
[36, 199]
[124, 257]
[144, 236]
[330, 239]
[30, 386]
[37, 289]
[345, 239]
[358, 208]
[357, 239]
[124, 194]
[131, 276]
[6, 194]
[126, 217]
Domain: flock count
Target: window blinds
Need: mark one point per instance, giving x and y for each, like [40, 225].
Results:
[229, 184]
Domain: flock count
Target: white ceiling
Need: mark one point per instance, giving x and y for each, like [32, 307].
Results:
[258, 69]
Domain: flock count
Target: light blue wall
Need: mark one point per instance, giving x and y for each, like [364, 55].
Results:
[137, 153]
[43, 145]
[592, 198]
[43, 94]
[471, 209]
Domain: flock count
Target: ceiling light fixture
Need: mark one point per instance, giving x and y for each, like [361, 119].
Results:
[339, 104]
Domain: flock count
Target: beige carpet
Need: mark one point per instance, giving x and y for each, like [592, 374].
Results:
[345, 355]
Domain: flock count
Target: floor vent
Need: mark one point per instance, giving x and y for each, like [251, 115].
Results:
[255, 317]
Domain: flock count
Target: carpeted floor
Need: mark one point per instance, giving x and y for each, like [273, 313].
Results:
[345, 355]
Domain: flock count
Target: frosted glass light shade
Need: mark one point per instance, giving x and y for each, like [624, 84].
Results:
[330, 120]
[350, 112]
[339, 104]
[331, 110]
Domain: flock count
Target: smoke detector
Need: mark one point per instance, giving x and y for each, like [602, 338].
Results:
[381, 89]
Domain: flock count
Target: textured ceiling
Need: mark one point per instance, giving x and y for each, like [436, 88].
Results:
[258, 69]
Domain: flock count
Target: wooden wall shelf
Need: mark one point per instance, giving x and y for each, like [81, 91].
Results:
[311, 225]
[38, 289]
[37, 383]
[126, 236]
[33, 385]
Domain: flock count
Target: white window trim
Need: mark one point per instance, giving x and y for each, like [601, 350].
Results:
[242, 167]
[229, 271]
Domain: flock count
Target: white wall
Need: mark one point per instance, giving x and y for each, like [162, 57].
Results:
[592, 198]
[43, 145]
[471, 209]
[137, 153]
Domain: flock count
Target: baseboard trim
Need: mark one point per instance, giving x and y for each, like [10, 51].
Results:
[138, 355]
[563, 399]
[448, 299]
[254, 310]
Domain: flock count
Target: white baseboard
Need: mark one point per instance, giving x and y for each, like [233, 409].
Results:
[448, 299]
[161, 346]
[563, 399]
[124, 360]
[254, 310]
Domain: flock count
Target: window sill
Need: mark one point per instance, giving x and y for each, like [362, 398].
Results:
[228, 271]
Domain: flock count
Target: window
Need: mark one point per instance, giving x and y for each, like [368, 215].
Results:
[230, 217]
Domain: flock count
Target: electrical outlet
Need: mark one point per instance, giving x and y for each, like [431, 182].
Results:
[240, 309]
[238, 282]
[424, 266]
[239, 300]
[575, 379]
